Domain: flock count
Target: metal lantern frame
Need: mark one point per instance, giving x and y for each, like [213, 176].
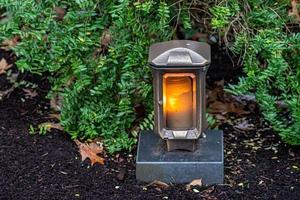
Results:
[180, 58]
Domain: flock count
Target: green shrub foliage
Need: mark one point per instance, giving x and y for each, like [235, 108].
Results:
[95, 53]
[266, 37]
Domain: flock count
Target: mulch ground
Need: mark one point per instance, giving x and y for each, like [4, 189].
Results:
[257, 164]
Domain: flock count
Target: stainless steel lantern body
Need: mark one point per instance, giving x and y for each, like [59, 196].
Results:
[179, 71]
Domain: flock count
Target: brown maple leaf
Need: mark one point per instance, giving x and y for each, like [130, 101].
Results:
[4, 66]
[90, 151]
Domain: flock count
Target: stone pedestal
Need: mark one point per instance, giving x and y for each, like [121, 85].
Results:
[154, 162]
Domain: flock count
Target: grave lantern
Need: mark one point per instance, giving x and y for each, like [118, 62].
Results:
[173, 152]
[179, 70]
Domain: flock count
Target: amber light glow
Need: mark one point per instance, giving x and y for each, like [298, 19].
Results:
[178, 100]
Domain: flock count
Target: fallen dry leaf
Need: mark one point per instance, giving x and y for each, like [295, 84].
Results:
[104, 43]
[55, 102]
[60, 13]
[206, 194]
[245, 97]
[294, 11]
[157, 184]
[244, 126]
[51, 125]
[121, 174]
[54, 116]
[216, 92]
[291, 153]
[221, 104]
[30, 93]
[219, 107]
[4, 66]
[220, 117]
[6, 92]
[90, 151]
[196, 182]
[106, 38]
[9, 43]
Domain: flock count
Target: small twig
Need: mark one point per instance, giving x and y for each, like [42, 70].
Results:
[177, 2]
[229, 27]
[178, 15]
[280, 18]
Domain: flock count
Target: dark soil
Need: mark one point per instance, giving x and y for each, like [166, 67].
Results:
[257, 164]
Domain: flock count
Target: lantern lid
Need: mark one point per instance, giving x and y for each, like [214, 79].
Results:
[179, 53]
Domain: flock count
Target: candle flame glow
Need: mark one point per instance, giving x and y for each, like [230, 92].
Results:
[178, 100]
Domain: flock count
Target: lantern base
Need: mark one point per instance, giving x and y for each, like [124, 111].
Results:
[155, 162]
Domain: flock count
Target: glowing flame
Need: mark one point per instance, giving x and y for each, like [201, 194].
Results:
[178, 100]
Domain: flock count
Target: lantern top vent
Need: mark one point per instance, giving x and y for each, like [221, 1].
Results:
[179, 53]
